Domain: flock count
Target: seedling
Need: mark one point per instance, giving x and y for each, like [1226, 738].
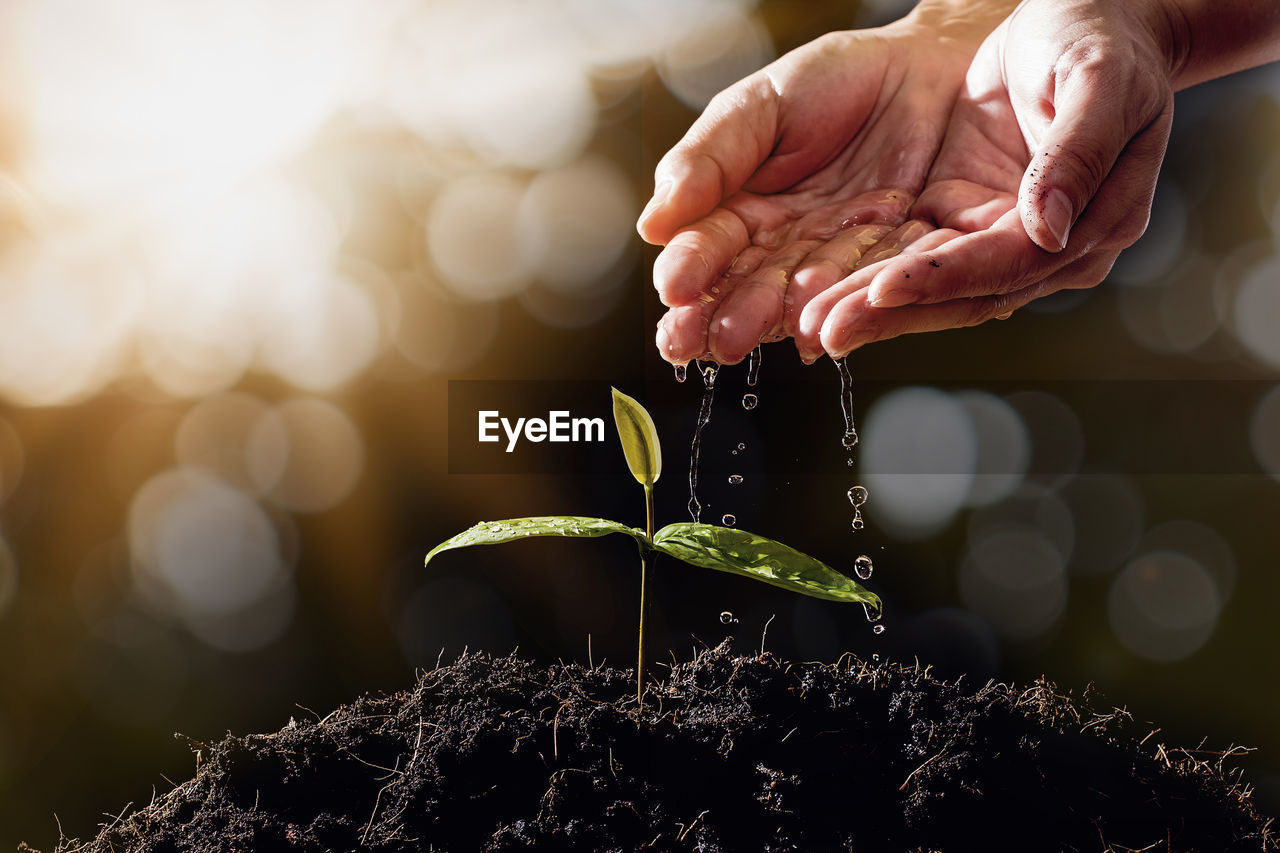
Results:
[724, 549]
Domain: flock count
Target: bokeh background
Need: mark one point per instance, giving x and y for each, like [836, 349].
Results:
[245, 246]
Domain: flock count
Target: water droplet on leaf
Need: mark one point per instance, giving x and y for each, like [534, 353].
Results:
[873, 615]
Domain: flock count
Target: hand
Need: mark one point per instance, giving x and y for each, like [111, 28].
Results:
[1047, 172]
[800, 174]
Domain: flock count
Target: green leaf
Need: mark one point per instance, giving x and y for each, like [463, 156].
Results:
[639, 438]
[497, 532]
[736, 551]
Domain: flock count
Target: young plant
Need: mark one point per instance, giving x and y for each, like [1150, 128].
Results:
[724, 549]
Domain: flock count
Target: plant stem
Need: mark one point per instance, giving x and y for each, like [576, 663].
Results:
[646, 554]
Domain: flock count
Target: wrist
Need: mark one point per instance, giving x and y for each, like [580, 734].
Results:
[964, 22]
[1170, 31]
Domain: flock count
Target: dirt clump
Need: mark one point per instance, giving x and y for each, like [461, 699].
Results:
[729, 753]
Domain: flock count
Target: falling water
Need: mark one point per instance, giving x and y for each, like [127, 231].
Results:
[680, 372]
[846, 405]
[753, 366]
[704, 414]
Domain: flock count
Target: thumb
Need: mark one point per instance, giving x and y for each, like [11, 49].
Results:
[723, 148]
[1093, 120]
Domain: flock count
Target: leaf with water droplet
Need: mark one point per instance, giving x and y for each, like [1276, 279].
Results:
[573, 527]
[739, 552]
[639, 438]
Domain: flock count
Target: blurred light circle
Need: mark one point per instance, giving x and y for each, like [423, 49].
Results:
[571, 310]
[11, 459]
[1257, 305]
[1202, 544]
[955, 640]
[1150, 259]
[1004, 447]
[1057, 438]
[540, 117]
[472, 235]
[202, 546]
[437, 332]
[123, 103]
[919, 453]
[1187, 314]
[328, 338]
[306, 455]
[724, 45]
[67, 308]
[1163, 606]
[575, 222]
[1109, 513]
[253, 627]
[1015, 578]
[214, 436]
[1264, 432]
[8, 577]
[1031, 506]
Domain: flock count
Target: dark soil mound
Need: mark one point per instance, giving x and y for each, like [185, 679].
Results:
[732, 753]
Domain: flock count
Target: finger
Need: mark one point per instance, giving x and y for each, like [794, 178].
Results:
[881, 207]
[753, 308]
[697, 256]
[808, 325]
[854, 323]
[1001, 258]
[682, 332]
[825, 266]
[727, 143]
[1096, 114]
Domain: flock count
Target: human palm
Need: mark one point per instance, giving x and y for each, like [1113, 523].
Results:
[793, 179]
[1046, 173]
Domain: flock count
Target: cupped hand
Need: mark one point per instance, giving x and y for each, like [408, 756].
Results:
[797, 176]
[1046, 173]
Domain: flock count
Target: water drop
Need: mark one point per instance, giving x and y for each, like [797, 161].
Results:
[858, 523]
[704, 415]
[877, 629]
[681, 372]
[849, 462]
[863, 567]
[846, 404]
[735, 479]
[873, 614]
[727, 618]
[753, 367]
[875, 658]
[750, 401]
[857, 496]
[729, 519]
[742, 445]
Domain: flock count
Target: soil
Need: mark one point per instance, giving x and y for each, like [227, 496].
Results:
[729, 753]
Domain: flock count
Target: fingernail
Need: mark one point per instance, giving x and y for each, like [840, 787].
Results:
[660, 193]
[1057, 216]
